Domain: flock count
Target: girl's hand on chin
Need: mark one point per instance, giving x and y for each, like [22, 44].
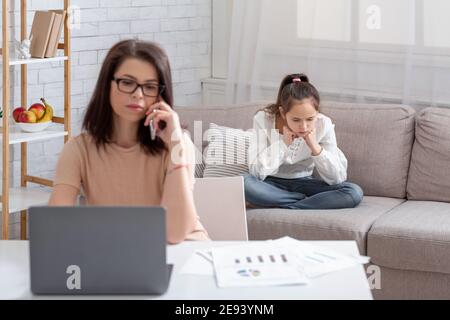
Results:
[311, 142]
[288, 136]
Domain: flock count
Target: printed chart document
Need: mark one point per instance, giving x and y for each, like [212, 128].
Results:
[284, 261]
[316, 260]
[259, 264]
[200, 263]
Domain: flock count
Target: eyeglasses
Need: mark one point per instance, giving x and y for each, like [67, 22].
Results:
[130, 86]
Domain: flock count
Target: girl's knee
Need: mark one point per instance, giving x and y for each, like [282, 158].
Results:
[354, 191]
[250, 184]
[246, 176]
[248, 179]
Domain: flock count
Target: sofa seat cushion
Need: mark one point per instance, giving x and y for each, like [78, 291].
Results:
[341, 224]
[413, 236]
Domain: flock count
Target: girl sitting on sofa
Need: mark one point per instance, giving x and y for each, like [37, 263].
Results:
[291, 139]
[116, 160]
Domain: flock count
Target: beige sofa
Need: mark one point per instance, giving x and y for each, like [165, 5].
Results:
[401, 159]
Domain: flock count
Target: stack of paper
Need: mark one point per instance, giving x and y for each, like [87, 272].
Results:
[284, 261]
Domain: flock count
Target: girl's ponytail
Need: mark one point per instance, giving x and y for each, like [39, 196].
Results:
[301, 76]
[294, 87]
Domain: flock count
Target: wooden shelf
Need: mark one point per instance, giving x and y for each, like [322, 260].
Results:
[20, 199]
[16, 135]
[23, 198]
[15, 62]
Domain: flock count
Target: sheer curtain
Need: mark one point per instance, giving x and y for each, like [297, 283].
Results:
[352, 50]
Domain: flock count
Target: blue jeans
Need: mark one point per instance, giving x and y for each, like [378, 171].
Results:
[301, 193]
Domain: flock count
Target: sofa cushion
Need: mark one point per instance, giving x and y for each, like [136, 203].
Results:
[377, 141]
[342, 224]
[412, 285]
[198, 119]
[413, 236]
[429, 174]
[199, 169]
[226, 154]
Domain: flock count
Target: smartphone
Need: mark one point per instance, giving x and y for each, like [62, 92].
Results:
[161, 125]
[152, 130]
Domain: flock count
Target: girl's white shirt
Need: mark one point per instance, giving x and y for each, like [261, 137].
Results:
[268, 154]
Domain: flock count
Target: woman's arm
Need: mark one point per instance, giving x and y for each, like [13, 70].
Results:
[63, 195]
[67, 182]
[178, 196]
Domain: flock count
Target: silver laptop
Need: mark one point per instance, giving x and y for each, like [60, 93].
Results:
[98, 250]
[220, 204]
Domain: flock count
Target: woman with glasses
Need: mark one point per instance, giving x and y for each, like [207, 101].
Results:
[115, 160]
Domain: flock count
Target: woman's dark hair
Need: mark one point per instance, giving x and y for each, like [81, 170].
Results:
[98, 120]
[294, 88]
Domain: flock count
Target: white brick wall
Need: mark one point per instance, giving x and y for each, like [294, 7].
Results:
[182, 27]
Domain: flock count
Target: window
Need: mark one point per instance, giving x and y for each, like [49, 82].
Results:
[436, 23]
[403, 44]
[324, 20]
[387, 22]
[221, 26]
[420, 23]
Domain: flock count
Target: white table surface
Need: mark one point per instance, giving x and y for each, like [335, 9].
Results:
[349, 283]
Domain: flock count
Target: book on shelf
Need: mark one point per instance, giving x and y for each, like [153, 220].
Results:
[40, 33]
[45, 33]
[55, 34]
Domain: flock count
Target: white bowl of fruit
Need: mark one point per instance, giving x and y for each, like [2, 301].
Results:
[37, 118]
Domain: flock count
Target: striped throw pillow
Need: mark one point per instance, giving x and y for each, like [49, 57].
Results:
[226, 154]
[199, 169]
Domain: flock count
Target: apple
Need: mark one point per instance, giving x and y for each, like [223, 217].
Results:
[27, 117]
[17, 112]
[38, 109]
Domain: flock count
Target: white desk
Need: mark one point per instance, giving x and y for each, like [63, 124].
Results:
[350, 283]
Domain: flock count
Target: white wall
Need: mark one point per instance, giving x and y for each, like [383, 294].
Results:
[182, 27]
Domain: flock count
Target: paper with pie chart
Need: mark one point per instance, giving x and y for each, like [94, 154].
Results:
[251, 265]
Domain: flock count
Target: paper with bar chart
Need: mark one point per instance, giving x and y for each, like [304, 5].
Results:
[260, 264]
[315, 260]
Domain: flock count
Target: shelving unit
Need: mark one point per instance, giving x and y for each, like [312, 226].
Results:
[20, 199]
[16, 62]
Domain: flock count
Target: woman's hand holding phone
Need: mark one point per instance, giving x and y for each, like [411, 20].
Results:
[165, 122]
